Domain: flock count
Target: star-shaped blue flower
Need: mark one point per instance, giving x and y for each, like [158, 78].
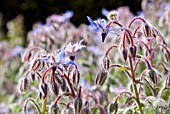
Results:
[58, 59]
[103, 26]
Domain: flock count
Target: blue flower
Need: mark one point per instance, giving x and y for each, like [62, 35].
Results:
[18, 50]
[103, 26]
[72, 49]
[58, 59]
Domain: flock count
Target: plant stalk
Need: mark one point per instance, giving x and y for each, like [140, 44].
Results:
[134, 85]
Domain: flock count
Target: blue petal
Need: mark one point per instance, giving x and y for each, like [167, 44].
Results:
[105, 12]
[67, 15]
[103, 23]
[66, 62]
[60, 55]
[93, 24]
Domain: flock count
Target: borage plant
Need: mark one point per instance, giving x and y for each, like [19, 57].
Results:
[137, 42]
[57, 75]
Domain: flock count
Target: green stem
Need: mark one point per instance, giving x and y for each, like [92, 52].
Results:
[35, 104]
[161, 92]
[134, 85]
[44, 106]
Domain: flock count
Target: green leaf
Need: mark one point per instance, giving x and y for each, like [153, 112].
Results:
[128, 99]
[123, 68]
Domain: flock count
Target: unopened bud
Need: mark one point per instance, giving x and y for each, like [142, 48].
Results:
[77, 105]
[85, 110]
[27, 56]
[54, 110]
[105, 63]
[152, 76]
[43, 89]
[160, 106]
[113, 107]
[167, 55]
[64, 85]
[23, 84]
[101, 77]
[36, 64]
[76, 77]
[132, 50]
[147, 30]
[167, 82]
[124, 54]
[54, 88]
[32, 76]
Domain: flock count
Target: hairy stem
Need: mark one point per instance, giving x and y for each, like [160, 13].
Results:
[44, 106]
[134, 85]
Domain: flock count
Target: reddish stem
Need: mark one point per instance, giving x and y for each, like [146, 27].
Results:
[43, 77]
[107, 52]
[136, 18]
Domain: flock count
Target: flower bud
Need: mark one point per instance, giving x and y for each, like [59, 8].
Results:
[77, 105]
[160, 106]
[36, 64]
[54, 110]
[32, 76]
[43, 89]
[167, 82]
[147, 30]
[76, 77]
[101, 77]
[152, 76]
[54, 88]
[167, 55]
[64, 85]
[113, 107]
[124, 54]
[23, 84]
[85, 110]
[27, 56]
[132, 51]
[105, 63]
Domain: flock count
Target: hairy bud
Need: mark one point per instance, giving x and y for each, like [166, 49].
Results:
[54, 110]
[113, 107]
[27, 56]
[160, 106]
[147, 30]
[23, 84]
[132, 50]
[64, 85]
[76, 77]
[101, 77]
[43, 89]
[32, 76]
[36, 64]
[167, 55]
[167, 82]
[54, 88]
[77, 105]
[152, 76]
[124, 54]
[105, 63]
[85, 110]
